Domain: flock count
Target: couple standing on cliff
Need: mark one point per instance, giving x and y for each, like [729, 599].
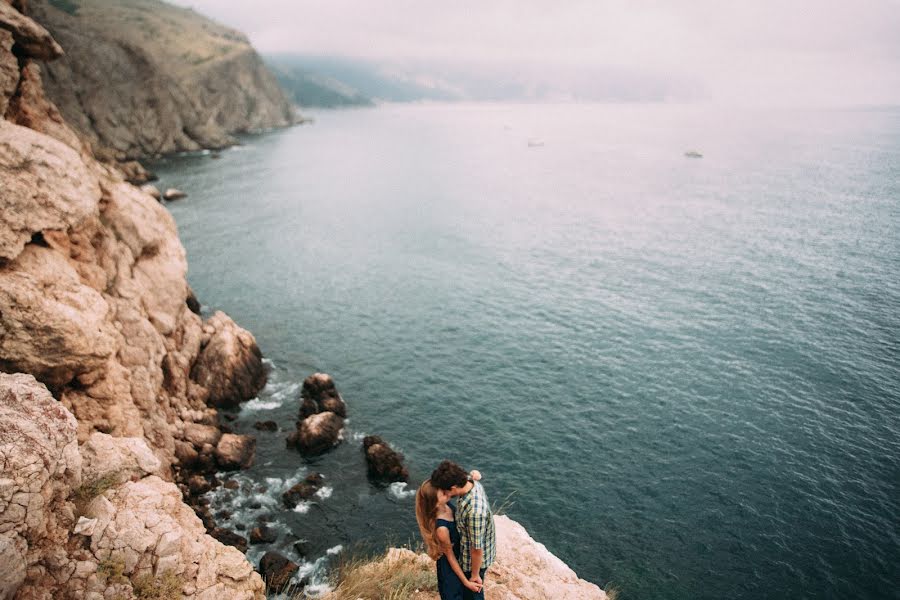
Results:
[460, 538]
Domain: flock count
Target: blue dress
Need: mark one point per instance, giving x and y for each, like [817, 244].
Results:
[449, 585]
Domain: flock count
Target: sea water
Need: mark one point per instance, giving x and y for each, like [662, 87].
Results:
[682, 375]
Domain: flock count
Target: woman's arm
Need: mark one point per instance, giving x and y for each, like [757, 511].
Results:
[443, 536]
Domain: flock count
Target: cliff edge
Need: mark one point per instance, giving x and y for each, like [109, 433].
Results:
[111, 382]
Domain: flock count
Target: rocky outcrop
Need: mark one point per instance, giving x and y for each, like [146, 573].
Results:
[230, 364]
[78, 522]
[149, 78]
[321, 418]
[523, 570]
[317, 434]
[319, 394]
[277, 571]
[304, 490]
[34, 39]
[235, 451]
[145, 530]
[384, 463]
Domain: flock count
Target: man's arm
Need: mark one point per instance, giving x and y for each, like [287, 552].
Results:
[477, 524]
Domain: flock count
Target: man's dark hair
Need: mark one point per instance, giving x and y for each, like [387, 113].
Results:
[449, 474]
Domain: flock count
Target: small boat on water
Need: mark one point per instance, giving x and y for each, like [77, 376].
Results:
[693, 154]
[535, 143]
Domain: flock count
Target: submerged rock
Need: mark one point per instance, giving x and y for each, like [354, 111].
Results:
[304, 490]
[174, 194]
[384, 462]
[263, 535]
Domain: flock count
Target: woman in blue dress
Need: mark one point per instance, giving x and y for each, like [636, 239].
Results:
[437, 524]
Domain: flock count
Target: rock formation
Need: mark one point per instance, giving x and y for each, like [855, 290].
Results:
[76, 522]
[304, 490]
[104, 350]
[523, 570]
[146, 78]
[384, 463]
[322, 413]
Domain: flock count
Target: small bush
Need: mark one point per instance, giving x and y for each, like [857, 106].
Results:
[112, 570]
[166, 587]
[91, 489]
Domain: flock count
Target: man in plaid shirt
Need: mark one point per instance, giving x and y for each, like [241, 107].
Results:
[478, 542]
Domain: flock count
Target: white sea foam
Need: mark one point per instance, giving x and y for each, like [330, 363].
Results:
[334, 551]
[324, 493]
[398, 490]
[260, 404]
[303, 507]
[357, 436]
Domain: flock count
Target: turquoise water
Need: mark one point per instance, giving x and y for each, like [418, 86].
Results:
[685, 371]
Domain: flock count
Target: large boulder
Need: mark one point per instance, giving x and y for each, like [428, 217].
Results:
[384, 463]
[230, 364]
[317, 434]
[39, 467]
[235, 451]
[277, 571]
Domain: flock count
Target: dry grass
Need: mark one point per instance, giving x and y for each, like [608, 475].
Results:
[91, 489]
[112, 570]
[612, 592]
[165, 587]
[390, 576]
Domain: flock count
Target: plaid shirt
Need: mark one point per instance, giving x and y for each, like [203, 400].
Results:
[476, 528]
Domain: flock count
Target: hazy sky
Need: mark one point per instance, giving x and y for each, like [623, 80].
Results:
[753, 51]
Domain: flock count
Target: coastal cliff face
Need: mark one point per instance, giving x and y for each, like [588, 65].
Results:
[109, 373]
[142, 78]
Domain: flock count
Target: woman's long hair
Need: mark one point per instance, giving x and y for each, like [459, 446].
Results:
[426, 514]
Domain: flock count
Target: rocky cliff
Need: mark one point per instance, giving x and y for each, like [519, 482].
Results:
[523, 570]
[141, 77]
[111, 375]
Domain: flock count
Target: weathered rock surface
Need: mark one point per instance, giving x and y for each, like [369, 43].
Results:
[44, 184]
[39, 467]
[145, 527]
[117, 460]
[317, 434]
[148, 78]
[384, 463]
[230, 365]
